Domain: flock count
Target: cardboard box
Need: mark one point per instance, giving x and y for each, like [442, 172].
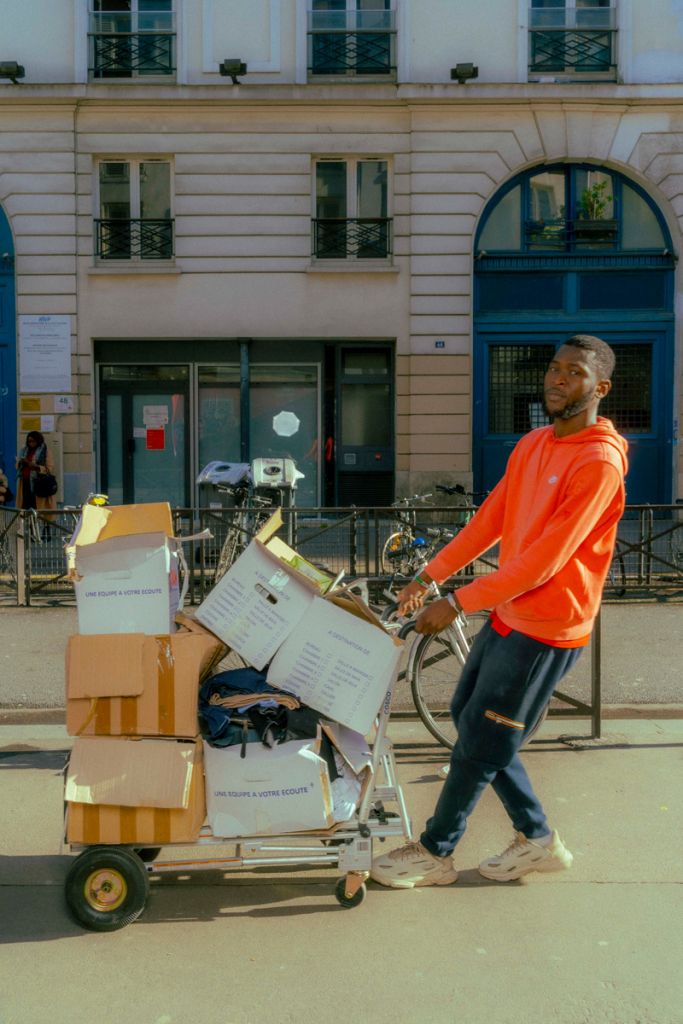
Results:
[128, 584]
[123, 791]
[262, 597]
[124, 583]
[137, 685]
[268, 792]
[338, 660]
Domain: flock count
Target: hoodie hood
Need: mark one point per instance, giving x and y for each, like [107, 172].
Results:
[601, 432]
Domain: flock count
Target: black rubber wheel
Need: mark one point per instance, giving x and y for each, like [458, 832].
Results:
[148, 854]
[435, 669]
[352, 901]
[106, 888]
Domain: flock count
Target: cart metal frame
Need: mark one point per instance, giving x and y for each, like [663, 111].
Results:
[107, 885]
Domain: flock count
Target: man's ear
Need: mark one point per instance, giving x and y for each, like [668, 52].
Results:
[602, 388]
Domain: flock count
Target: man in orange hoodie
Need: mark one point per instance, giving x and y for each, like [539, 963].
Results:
[555, 515]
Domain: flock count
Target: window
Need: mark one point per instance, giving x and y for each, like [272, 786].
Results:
[351, 37]
[132, 39]
[351, 210]
[135, 211]
[572, 39]
[579, 209]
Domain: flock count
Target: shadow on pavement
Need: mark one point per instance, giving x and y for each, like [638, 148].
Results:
[37, 760]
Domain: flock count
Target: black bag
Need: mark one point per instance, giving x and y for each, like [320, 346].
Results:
[44, 485]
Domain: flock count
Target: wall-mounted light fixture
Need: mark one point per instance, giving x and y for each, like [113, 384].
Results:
[461, 72]
[232, 68]
[10, 69]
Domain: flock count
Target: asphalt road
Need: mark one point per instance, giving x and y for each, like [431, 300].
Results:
[642, 655]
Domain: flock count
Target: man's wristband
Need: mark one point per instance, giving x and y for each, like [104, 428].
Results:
[423, 583]
[453, 602]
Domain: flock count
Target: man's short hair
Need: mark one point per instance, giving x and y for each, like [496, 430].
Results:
[602, 353]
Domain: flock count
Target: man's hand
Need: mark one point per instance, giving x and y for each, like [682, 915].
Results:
[436, 616]
[411, 598]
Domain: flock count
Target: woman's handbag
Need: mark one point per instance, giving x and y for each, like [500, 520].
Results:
[44, 485]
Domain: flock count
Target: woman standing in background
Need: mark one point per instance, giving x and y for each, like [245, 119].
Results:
[33, 459]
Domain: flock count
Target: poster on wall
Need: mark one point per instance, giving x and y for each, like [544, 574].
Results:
[44, 353]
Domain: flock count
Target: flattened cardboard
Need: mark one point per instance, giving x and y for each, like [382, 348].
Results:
[136, 685]
[270, 791]
[338, 664]
[90, 823]
[256, 604]
[122, 772]
[102, 522]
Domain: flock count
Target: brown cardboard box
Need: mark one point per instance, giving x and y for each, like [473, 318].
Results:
[130, 684]
[148, 791]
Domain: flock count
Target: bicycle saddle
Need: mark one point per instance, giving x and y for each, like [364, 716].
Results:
[457, 489]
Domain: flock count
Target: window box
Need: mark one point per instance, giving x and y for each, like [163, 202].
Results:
[129, 40]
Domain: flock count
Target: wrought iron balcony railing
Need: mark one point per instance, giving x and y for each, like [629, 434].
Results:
[129, 44]
[351, 238]
[572, 42]
[352, 43]
[134, 239]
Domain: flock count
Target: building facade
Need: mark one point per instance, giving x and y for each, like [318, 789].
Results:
[345, 231]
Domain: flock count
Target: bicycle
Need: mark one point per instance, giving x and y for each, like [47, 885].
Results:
[409, 547]
[252, 512]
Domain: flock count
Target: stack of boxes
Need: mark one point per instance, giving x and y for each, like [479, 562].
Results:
[133, 674]
[139, 773]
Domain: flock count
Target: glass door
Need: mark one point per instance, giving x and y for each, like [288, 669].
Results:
[144, 412]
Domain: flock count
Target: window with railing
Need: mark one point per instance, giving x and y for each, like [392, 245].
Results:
[351, 219]
[132, 39]
[135, 222]
[352, 38]
[572, 39]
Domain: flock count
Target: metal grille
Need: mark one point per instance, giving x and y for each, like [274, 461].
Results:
[363, 237]
[575, 51]
[130, 54]
[629, 403]
[134, 239]
[516, 387]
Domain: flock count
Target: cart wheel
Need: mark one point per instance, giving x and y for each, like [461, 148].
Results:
[106, 888]
[148, 854]
[349, 901]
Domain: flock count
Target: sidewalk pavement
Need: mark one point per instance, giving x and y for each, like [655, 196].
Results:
[601, 944]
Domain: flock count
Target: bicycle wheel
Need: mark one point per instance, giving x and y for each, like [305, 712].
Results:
[399, 557]
[435, 670]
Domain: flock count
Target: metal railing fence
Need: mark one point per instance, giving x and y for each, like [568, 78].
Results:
[648, 559]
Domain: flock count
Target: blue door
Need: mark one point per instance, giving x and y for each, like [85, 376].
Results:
[509, 368]
[8, 358]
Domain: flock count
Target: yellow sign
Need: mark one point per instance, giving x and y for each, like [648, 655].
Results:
[30, 404]
[30, 423]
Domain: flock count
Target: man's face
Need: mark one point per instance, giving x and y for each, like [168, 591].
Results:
[572, 383]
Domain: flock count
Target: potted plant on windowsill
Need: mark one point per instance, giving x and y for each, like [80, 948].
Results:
[591, 224]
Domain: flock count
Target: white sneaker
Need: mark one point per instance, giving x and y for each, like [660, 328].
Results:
[412, 865]
[526, 855]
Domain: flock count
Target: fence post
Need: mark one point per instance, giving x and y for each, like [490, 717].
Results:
[353, 544]
[596, 679]
[20, 559]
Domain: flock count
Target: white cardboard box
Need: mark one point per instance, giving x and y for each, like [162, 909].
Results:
[282, 789]
[128, 584]
[254, 607]
[337, 663]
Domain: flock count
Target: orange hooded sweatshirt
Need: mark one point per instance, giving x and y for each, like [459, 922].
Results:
[555, 513]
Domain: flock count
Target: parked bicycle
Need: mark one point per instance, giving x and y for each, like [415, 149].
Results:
[410, 546]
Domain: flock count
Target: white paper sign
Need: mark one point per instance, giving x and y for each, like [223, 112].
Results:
[337, 664]
[47, 423]
[154, 416]
[45, 353]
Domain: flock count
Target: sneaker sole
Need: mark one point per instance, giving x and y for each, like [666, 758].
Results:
[395, 884]
[544, 865]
